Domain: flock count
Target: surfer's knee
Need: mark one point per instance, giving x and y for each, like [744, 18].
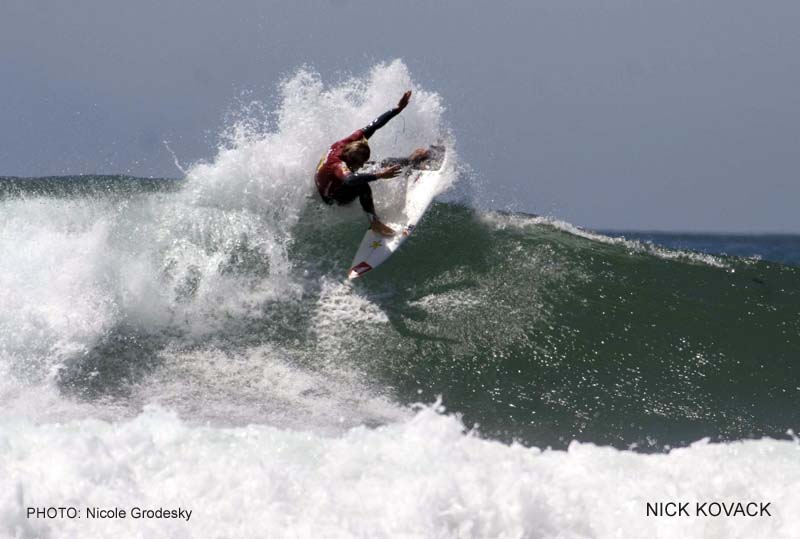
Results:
[362, 190]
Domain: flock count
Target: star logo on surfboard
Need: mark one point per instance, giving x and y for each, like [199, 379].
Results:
[374, 249]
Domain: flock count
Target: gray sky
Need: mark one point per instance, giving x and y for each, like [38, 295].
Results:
[648, 114]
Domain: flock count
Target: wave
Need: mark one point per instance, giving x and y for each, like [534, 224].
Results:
[83, 186]
[420, 477]
[281, 399]
[225, 300]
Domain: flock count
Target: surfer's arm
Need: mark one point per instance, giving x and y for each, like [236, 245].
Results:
[379, 122]
[355, 179]
[384, 118]
[352, 179]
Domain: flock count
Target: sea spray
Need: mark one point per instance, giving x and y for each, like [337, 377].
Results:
[103, 286]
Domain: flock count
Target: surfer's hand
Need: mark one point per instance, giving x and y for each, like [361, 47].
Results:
[403, 103]
[389, 172]
[419, 155]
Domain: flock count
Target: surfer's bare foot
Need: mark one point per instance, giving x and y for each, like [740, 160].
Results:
[418, 156]
[381, 229]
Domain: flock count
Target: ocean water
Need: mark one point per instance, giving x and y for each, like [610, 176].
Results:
[781, 248]
[194, 343]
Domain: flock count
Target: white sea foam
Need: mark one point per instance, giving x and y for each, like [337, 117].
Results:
[74, 271]
[422, 477]
[266, 384]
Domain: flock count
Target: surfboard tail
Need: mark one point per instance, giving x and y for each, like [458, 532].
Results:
[358, 270]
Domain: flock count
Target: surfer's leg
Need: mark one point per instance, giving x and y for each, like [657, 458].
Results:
[365, 198]
[357, 180]
[348, 192]
[345, 195]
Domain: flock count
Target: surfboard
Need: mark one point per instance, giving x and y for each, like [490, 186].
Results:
[421, 188]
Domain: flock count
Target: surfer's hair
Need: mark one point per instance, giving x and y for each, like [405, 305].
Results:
[356, 153]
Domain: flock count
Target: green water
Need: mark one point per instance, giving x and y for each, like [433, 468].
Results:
[532, 330]
[543, 336]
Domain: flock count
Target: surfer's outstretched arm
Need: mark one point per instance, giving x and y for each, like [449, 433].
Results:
[384, 118]
[357, 179]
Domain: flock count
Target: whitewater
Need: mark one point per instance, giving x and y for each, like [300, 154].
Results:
[197, 345]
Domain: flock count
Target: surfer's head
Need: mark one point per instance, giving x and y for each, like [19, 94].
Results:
[356, 153]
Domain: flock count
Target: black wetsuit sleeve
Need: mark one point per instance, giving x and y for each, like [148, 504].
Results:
[356, 180]
[380, 121]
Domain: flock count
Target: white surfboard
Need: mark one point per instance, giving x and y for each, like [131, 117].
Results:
[421, 188]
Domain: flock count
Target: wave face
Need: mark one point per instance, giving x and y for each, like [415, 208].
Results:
[222, 298]
[543, 333]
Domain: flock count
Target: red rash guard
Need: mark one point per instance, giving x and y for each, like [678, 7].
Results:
[332, 171]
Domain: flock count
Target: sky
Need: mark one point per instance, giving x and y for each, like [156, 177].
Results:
[610, 114]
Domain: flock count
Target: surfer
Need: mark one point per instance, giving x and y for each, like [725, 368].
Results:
[338, 179]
